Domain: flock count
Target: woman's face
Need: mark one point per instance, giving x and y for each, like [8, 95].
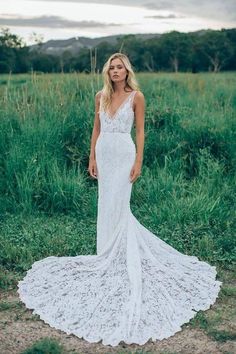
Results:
[117, 70]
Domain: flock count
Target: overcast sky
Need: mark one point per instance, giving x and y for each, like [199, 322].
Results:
[60, 19]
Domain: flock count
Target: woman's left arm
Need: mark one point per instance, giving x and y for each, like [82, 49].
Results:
[139, 107]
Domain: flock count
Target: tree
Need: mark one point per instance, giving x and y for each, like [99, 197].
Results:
[12, 52]
[37, 39]
[133, 47]
[45, 63]
[152, 59]
[104, 50]
[231, 35]
[175, 49]
[10, 40]
[216, 47]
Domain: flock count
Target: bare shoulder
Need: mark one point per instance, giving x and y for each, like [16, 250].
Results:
[139, 99]
[98, 95]
[98, 98]
[139, 95]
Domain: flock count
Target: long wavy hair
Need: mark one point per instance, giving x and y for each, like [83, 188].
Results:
[108, 86]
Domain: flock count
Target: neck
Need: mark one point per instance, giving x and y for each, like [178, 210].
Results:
[119, 87]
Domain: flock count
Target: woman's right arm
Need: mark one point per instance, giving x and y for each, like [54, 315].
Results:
[96, 131]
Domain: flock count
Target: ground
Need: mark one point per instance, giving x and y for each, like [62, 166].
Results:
[210, 332]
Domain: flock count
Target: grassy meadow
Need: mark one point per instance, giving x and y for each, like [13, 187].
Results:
[186, 194]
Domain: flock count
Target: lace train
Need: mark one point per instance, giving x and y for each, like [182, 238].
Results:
[96, 298]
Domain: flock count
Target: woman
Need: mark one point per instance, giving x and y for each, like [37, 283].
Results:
[119, 80]
[137, 287]
[120, 165]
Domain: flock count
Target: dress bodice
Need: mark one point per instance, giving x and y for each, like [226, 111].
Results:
[122, 120]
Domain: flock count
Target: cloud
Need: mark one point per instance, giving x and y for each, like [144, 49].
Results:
[161, 5]
[217, 9]
[160, 17]
[49, 22]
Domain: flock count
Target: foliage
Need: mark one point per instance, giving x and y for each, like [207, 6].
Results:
[45, 346]
[210, 50]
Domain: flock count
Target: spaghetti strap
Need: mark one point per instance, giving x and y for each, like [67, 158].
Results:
[132, 98]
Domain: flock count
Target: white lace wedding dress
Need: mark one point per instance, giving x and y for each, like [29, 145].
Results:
[137, 287]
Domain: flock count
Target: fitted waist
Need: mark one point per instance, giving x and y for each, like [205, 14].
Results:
[105, 132]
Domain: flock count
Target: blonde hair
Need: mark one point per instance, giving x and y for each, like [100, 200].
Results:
[108, 89]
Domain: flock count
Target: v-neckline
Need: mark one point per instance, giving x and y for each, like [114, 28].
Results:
[114, 115]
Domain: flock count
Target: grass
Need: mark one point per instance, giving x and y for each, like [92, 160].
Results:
[45, 346]
[219, 322]
[51, 346]
[48, 202]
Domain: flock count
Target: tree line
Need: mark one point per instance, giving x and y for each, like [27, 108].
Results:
[208, 50]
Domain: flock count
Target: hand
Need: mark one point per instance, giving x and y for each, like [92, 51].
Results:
[135, 171]
[92, 168]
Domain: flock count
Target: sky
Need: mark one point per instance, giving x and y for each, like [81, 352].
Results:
[61, 19]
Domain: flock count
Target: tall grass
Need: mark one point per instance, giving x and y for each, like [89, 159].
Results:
[187, 190]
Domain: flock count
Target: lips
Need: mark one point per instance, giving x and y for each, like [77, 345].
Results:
[115, 76]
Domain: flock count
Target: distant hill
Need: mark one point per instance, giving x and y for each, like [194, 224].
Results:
[75, 44]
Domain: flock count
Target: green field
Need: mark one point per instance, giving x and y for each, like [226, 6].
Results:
[186, 194]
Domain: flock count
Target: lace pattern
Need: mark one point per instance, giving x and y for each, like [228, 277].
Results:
[123, 120]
